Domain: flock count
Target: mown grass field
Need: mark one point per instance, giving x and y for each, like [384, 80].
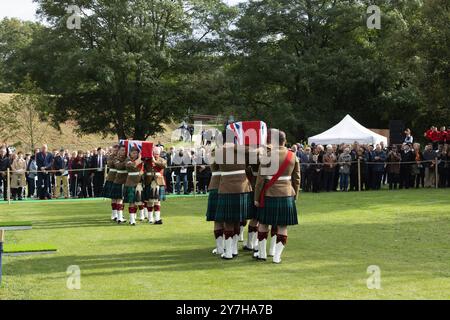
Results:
[405, 233]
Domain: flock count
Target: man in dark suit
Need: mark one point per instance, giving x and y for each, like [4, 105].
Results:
[98, 162]
[44, 161]
[5, 164]
[168, 171]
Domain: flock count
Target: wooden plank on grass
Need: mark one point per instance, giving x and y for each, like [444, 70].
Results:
[15, 225]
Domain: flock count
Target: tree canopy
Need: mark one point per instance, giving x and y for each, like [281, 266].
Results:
[300, 65]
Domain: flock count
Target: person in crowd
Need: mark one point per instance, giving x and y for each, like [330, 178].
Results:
[316, 169]
[181, 171]
[433, 135]
[344, 164]
[73, 175]
[98, 163]
[32, 175]
[418, 170]
[354, 167]
[429, 158]
[170, 156]
[386, 151]
[18, 178]
[60, 167]
[405, 166]
[408, 137]
[363, 158]
[329, 164]
[442, 166]
[393, 168]
[44, 161]
[379, 158]
[305, 159]
[5, 164]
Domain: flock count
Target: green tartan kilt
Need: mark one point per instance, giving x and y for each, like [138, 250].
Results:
[253, 213]
[212, 205]
[233, 207]
[116, 191]
[107, 188]
[154, 194]
[130, 195]
[278, 211]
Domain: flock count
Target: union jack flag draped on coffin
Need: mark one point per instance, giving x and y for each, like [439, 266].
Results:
[249, 132]
[144, 147]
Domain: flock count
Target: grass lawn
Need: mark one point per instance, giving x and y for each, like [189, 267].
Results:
[405, 233]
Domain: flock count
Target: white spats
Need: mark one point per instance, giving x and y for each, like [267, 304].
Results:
[151, 218]
[262, 250]
[273, 242]
[120, 218]
[142, 215]
[114, 215]
[145, 213]
[133, 219]
[219, 246]
[252, 236]
[157, 216]
[241, 234]
[235, 244]
[279, 247]
[228, 254]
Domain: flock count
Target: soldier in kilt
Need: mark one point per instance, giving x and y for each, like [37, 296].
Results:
[234, 201]
[275, 198]
[119, 164]
[252, 235]
[107, 188]
[212, 207]
[154, 189]
[131, 195]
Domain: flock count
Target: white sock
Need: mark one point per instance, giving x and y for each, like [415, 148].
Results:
[228, 248]
[241, 233]
[219, 245]
[141, 214]
[157, 215]
[235, 244]
[145, 212]
[132, 218]
[273, 242]
[114, 214]
[250, 239]
[150, 218]
[119, 215]
[279, 247]
[262, 253]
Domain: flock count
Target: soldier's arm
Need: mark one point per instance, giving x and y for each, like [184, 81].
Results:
[161, 163]
[296, 178]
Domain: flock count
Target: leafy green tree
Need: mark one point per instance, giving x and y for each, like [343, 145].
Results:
[132, 66]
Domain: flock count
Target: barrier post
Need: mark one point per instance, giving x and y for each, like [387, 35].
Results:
[359, 174]
[194, 180]
[436, 174]
[8, 185]
[105, 174]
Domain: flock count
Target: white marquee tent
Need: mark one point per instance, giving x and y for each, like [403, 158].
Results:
[348, 131]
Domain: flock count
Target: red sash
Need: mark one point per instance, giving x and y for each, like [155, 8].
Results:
[275, 178]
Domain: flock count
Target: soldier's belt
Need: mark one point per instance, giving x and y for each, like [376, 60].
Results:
[122, 171]
[112, 170]
[133, 173]
[217, 173]
[155, 174]
[233, 173]
[282, 178]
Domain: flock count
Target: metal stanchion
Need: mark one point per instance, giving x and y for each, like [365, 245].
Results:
[8, 185]
[194, 180]
[436, 174]
[359, 174]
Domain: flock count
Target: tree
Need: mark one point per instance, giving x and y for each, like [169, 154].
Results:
[133, 64]
[23, 116]
[15, 35]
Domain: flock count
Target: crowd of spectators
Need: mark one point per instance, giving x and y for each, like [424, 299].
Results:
[46, 174]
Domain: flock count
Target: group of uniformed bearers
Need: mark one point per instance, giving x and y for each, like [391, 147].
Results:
[263, 192]
[137, 182]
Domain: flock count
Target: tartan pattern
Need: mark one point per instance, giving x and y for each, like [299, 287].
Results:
[107, 188]
[278, 211]
[130, 195]
[150, 194]
[233, 207]
[253, 212]
[116, 191]
[212, 205]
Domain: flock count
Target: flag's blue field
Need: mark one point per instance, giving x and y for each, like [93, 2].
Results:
[404, 235]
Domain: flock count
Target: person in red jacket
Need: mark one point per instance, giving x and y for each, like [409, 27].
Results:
[434, 136]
